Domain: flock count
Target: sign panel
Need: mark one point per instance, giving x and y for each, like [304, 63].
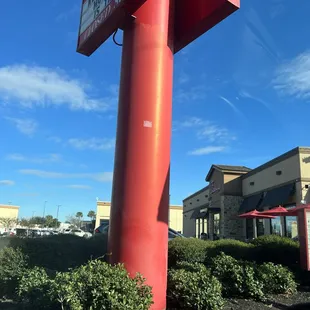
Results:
[308, 237]
[100, 19]
[195, 17]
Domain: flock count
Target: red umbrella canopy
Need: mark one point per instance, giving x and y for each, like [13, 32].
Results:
[255, 214]
[294, 212]
[278, 211]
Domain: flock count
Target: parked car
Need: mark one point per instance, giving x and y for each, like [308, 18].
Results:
[77, 232]
[104, 229]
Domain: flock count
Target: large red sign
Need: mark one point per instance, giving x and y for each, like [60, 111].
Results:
[195, 17]
[192, 18]
[100, 19]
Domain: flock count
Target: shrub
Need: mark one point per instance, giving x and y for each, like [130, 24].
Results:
[237, 278]
[276, 249]
[194, 290]
[276, 279]
[234, 248]
[61, 252]
[12, 265]
[189, 250]
[96, 285]
[34, 289]
[192, 267]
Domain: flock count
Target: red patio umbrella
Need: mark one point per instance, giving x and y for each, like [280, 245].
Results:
[255, 214]
[277, 211]
[294, 212]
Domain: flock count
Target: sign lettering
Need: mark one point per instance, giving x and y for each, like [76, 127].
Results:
[213, 188]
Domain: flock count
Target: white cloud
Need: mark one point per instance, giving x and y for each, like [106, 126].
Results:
[100, 177]
[92, 144]
[208, 150]
[39, 86]
[293, 78]
[77, 186]
[233, 106]
[190, 94]
[25, 126]
[38, 160]
[6, 183]
[215, 133]
[192, 122]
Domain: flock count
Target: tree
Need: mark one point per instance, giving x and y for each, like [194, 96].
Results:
[8, 222]
[73, 220]
[49, 221]
[79, 216]
[92, 215]
[25, 223]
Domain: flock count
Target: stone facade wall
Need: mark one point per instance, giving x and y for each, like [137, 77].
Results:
[233, 227]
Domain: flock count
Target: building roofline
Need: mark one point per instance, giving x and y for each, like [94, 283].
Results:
[232, 170]
[9, 206]
[272, 162]
[196, 193]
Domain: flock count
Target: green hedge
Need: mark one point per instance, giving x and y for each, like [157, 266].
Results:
[276, 249]
[234, 248]
[189, 250]
[96, 285]
[60, 252]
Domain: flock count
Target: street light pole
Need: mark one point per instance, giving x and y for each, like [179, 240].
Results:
[44, 208]
[57, 211]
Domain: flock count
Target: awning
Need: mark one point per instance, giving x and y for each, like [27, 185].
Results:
[195, 214]
[250, 203]
[277, 196]
[202, 215]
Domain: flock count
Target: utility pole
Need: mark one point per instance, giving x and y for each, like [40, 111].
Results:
[44, 208]
[57, 214]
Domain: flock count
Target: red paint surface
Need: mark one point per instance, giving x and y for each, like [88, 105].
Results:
[138, 233]
[195, 17]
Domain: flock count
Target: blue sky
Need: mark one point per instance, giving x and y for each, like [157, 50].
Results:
[241, 97]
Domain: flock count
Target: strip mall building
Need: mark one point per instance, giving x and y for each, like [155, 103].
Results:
[175, 215]
[213, 211]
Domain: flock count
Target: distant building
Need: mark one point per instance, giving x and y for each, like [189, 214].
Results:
[175, 215]
[232, 190]
[8, 211]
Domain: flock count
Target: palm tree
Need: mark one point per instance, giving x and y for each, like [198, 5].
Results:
[79, 216]
[92, 215]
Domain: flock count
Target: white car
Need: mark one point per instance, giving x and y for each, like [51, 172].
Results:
[78, 232]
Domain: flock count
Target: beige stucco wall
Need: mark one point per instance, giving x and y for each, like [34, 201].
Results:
[199, 199]
[103, 211]
[8, 211]
[175, 215]
[268, 178]
[304, 159]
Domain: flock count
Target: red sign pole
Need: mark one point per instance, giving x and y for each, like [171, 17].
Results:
[138, 234]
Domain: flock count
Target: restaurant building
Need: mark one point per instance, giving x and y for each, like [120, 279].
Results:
[212, 212]
[175, 215]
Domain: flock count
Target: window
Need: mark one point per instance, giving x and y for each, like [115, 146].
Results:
[252, 183]
[197, 199]
[279, 172]
[104, 222]
[276, 227]
[249, 229]
[260, 226]
[216, 230]
[291, 230]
